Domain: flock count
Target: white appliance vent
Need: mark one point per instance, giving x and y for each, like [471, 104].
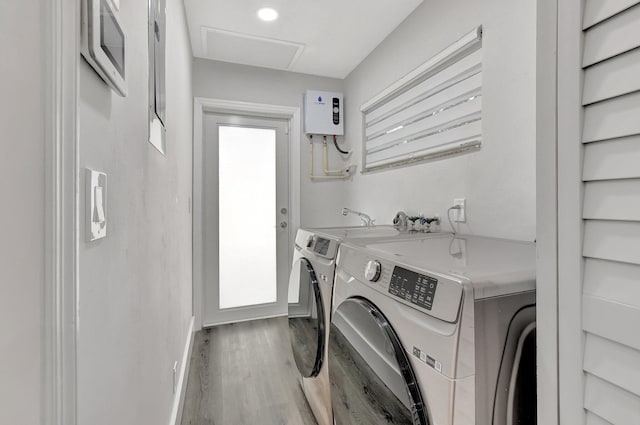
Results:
[228, 46]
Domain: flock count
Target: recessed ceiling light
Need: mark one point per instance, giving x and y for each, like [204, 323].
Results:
[267, 14]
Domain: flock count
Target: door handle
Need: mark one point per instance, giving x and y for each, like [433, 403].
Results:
[283, 224]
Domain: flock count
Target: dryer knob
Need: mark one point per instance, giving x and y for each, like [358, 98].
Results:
[372, 271]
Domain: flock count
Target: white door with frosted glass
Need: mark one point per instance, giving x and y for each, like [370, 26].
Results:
[246, 215]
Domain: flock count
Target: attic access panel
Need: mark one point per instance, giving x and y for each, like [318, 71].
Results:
[235, 47]
[433, 112]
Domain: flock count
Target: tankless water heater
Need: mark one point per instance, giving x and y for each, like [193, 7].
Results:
[323, 113]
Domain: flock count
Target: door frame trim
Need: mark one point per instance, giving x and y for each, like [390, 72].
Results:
[570, 192]
[547, 289]
[60, 309]
[201, 106]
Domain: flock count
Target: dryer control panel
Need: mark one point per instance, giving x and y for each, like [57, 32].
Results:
[321, 246]
[317, 245]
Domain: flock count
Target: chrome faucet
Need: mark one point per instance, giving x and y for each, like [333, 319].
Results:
[366, 220]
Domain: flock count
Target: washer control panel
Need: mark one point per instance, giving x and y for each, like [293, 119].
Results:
[432, 292]
[372, 271]
[414, 287]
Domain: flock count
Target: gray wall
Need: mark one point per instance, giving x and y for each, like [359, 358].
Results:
[135, 285]
[499, 181]
[320, 201]
[22, 195]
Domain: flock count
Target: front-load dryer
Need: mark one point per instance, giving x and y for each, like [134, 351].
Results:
[437, 331]
[310, 296]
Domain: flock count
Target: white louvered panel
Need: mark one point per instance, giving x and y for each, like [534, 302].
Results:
[458, 116]
[465, 46]
[611, 320]
[618, 117]
[432, 105]
[612, 240]
[380, 158]
[616, 35]
[612, 200]
[613, 362]
[611, 209]
[614, 77]
[462, 134]
[610, 402]
[432, 112]
[462, 127]
[446, 149]
[593, 419]
[463, 69]
[616, 281]
[612, 159]
[596, 11]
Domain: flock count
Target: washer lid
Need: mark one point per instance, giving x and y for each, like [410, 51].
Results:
[494, 266]
[359, 232]
[323, 242]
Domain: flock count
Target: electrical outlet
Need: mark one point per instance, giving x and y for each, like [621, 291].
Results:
[460, 215]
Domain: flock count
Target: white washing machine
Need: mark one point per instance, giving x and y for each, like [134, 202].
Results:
[437, 331]
[310, 295]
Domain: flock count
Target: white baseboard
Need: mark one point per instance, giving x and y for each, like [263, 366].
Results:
[178, 402]
[214, 324]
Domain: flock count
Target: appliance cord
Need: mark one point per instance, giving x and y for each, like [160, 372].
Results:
[454, 207]
[335, 142]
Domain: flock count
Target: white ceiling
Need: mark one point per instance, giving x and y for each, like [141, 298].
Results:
[321, 37]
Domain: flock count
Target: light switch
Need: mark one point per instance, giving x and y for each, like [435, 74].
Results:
[96, 190]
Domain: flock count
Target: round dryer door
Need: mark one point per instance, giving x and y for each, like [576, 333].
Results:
[516, 391]
[306, 320]
[372, 381]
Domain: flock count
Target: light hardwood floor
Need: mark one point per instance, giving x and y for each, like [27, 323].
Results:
[244, 373]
